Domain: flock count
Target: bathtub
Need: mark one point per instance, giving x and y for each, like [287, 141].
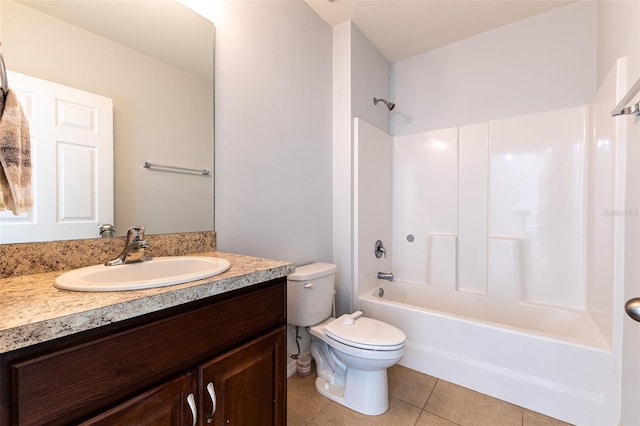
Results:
[549, 360]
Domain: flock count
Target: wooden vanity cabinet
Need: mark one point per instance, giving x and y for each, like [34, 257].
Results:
[242, 384]
[172, 403]
[155, 369]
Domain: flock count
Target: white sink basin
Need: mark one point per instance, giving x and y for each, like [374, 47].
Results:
[159, 272]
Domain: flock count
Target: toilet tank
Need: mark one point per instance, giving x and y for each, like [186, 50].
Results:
[310, 293]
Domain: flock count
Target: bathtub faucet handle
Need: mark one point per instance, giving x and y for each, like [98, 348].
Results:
[379, 250]
[385, 276]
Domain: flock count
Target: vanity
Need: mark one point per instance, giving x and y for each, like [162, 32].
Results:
[211, 351]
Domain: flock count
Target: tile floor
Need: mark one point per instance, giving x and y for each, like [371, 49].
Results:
[416, 399]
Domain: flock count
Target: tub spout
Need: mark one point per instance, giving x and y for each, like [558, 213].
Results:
[385, 276]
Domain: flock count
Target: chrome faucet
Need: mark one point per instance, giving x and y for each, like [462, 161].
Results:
[385, 276]
[134, 247]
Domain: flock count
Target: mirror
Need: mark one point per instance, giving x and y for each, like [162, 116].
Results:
[154, 59]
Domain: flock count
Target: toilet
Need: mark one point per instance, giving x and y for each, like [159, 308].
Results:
[351, 352]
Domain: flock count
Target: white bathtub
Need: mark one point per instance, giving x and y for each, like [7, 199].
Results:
[552, 361]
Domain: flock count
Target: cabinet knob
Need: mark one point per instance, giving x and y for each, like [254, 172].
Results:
[191, 402]
[212, 395]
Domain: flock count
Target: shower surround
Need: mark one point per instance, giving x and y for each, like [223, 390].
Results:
[496, 209]
[506, 244]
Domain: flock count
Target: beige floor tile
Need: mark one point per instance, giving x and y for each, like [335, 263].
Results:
[466, 407]
[428, 419]
[294, 419]
[409, 385]
[303, 401]
[447, 405]
[531, 418]
[399, 413]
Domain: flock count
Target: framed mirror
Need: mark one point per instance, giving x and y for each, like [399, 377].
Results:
[154, 59]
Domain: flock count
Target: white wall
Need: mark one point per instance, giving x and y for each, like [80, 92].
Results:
[370, 77]
[360, 73]
[342, 237]
[373, 182]
[273, 131]
[618, 36]
[537, 64]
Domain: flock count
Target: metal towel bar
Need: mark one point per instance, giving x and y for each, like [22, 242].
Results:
[621, 109]
[4, 85]
[203, 172]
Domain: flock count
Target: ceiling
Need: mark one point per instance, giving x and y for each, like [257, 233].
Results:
[403, 28]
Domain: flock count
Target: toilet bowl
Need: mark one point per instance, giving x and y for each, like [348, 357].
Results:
[356, 355]
[352, 352]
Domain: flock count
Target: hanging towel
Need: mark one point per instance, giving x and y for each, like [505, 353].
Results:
[3, 206]
[15, 157]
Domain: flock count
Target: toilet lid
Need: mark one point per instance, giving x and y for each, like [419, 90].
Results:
[366, 333]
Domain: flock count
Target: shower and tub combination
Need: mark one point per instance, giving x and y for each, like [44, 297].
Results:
[506, 245]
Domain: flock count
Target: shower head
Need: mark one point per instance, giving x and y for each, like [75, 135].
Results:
[390, 105]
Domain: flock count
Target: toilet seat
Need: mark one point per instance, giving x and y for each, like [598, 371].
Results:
[366, 333]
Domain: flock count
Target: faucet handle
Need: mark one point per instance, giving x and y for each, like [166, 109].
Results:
[135, 233]
[107, 230]
[133, 249]
[379, 250]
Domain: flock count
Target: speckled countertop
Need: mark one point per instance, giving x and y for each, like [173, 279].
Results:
[33, 311]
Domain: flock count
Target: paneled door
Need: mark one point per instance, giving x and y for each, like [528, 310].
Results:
[72, 159]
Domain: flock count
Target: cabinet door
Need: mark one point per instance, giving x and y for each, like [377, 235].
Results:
[173, 403]
[246, 386]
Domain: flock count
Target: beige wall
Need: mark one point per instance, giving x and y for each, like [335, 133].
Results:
[161, 114]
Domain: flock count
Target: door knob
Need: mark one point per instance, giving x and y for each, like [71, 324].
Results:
[633, 308]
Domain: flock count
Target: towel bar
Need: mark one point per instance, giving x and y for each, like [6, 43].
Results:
[203, 172]
[620, 109]
[3, 75]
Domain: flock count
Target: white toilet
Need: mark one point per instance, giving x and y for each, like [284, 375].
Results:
[352, 353]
